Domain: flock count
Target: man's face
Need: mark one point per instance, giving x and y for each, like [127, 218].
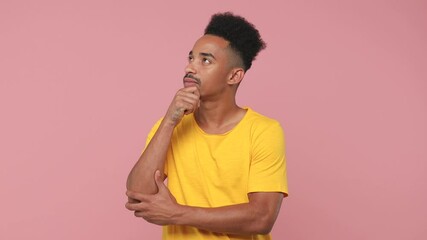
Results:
[209, 66]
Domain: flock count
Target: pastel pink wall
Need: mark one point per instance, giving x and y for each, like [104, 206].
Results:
[81, 83]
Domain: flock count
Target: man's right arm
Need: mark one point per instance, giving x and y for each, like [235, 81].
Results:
[141, 177]
[152, 159]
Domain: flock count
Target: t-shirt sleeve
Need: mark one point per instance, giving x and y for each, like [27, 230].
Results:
[268, 164]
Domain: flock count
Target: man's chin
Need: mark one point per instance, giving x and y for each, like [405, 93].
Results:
[190, 84]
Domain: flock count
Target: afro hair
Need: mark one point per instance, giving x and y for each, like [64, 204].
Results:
[244, 38]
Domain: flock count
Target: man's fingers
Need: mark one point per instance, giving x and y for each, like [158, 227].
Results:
[188, 108]
[131, 194]
[188, 96]
[191, 89]
[191, 102]
[130, 206]
[136, 206]
[192, 92]
[186, 101]
[137, 196]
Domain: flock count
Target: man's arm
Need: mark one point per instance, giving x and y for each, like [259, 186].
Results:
[255, 217]
[141, 177]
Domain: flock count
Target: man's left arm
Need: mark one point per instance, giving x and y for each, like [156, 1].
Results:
[255, 217]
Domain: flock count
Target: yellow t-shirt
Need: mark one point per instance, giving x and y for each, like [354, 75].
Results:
[206, 170]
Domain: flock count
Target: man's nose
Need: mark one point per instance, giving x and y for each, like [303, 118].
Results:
[190, 68]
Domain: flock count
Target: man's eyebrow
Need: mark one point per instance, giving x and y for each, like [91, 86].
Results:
[207, 55]
[203, 54]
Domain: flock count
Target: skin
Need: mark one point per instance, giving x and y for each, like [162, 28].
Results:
[211, 79]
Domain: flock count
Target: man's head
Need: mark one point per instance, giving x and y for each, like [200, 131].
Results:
[219, 59]
[243, 37]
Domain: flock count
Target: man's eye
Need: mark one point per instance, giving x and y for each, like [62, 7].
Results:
[206, 61]
[190, 58]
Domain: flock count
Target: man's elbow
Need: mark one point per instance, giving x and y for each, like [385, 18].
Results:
[264, 228]
[263, 225]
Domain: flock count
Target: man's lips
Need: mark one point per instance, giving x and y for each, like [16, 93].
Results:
[191, 80]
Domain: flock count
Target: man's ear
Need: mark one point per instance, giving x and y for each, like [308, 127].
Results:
[236, 76]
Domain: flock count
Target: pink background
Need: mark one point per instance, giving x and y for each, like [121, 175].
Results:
[82, 82]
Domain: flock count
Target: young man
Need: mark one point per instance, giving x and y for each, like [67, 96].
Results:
[225, 164]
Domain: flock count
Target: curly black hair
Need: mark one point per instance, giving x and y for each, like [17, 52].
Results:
[244, 38]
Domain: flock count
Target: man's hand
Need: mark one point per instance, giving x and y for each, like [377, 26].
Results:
[160, 208]
[186, 101]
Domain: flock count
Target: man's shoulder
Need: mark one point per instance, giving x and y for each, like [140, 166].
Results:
[257, 119]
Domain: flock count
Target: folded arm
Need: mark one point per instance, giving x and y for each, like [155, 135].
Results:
[255, 217]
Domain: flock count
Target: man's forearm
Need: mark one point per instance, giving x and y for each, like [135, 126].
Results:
[247, 218]
[236, 219]
[141, 177]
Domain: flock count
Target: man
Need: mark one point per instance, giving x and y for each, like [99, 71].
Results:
[225, 164]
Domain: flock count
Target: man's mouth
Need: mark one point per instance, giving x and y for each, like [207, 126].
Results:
[190, 79]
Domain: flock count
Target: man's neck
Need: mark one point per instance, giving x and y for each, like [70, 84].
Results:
[217, 117]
